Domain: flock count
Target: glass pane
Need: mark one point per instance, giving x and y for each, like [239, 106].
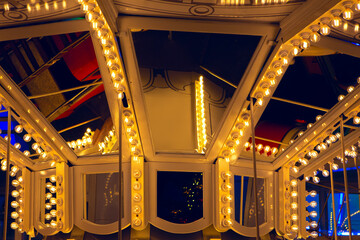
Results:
[238, 189]
[180, 196]
[102, 197]
[249, 202]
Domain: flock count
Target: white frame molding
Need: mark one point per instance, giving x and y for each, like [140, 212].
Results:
[266, 31]
[195, 226]
[39, 226]
[269, 201]
[86, 225]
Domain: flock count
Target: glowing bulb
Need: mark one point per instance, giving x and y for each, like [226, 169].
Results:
[48, 206]
[313, 214]
[336, 22]
[48, 216]
[348, 14]
[350, 89]
[14, 225]
[356, 120]
[14, 204]
[15, 194]
[295, 50]
[314, 234]
[293, 183]
[294, 194]
[15, 183]
[226, 211]
[304, 44]
[312, 193]
[294, 205]
[52, 189]
[26, 153]
[53, 224]
[295, 169]
[52, 178]
[313, 224]
[48, 196]
[313, 204]
[325, 173]
[324, 30]
[295, 228]
[314, 37]
[14, 215]
[294, 217]
[356, 27]
[316, 179]
[18, 129]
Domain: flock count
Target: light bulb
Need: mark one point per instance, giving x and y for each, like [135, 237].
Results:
[274, 150]
[336, 22]
[26, 153]
[226, 198]
[312, 193]
[18, 129]
[314, 154]
[293, 183]
[48, 216]
[137, 197]
[313, 224]
[226, 187]
[53, 201]
[53, 213]
[14, 215]
[48, 196]
[325, 173]
[226, 211]
[14, 204]
[348, 14]
[53, 224]
[314, 37]
[52, 178]
[295, 228]
[294, 194]
[356, 27]
[350, 89]
[313, 214]
[294, 217]
[356, 120]
[313, 204]
[17, 145]
[316, 179]
[14, 225]
[294, 205]
[48, 206]
[15, 194]
[15, 183]
[53, 189]
[304, 44]
[314, 234]
[295, 50]
[295, 169]
[137, 209]
[324, 30]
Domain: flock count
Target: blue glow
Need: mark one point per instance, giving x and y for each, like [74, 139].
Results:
[340, 202]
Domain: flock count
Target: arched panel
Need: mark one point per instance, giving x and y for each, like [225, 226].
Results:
[198, 173]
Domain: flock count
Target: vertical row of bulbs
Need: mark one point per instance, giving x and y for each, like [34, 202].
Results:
[226, 199]
[53, 202]
[111, 54]
[292, 193]
[18, 203]
[52, 214]
[312, 214]
[200, 115]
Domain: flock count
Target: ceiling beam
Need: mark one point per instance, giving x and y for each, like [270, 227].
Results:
[339, 46]
[327, 121]
[46, 29]
[303, 16]
[329, 154]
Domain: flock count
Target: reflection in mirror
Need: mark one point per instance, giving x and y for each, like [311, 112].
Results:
[180, 196]
[102, 197]
[244, 200]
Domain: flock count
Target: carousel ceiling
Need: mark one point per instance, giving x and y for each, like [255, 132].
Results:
[47, 52]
